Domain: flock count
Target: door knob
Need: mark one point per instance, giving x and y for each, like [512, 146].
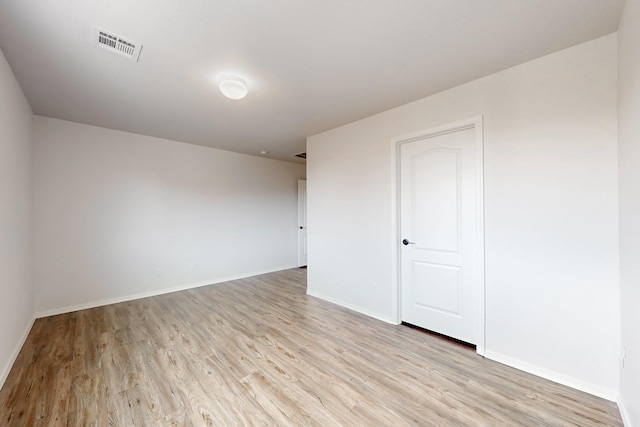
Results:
[406, 242]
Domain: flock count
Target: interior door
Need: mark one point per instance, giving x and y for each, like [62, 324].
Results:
[302, 223]
[438, 228]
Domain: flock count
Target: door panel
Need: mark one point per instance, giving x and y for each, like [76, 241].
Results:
[435, 183]
[438, 218]
[444, 292]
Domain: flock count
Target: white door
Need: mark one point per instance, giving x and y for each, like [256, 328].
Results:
[439, 229]
[302, 223]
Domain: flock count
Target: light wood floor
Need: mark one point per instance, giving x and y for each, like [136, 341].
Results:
[259, 351]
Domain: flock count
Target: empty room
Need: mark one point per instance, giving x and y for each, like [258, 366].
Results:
[337, 213]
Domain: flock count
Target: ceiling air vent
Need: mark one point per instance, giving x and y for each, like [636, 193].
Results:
[301, 155]
[116, 44]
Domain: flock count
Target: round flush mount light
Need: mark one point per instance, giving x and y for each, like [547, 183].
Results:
[233, 88]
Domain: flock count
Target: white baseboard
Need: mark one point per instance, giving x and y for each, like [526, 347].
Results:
[16, 351]
[125, 298]
[605, 393]
[624, 414]
[353, 307]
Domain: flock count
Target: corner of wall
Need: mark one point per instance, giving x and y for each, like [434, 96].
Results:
[624, 414]
[16, 351]
[16, 203]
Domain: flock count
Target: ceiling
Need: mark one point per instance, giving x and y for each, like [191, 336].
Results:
[310, 65]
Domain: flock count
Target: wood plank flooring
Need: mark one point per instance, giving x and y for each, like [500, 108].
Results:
[259, 351]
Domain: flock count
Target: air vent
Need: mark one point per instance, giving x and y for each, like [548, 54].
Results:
[301, 155]
[116, 44]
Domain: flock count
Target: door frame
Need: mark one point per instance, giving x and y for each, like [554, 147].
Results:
[396, 142]
[302, 223]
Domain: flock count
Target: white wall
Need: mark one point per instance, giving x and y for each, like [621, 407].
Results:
[119, 215]
[16, 282]
[629, 164]
[551, 211]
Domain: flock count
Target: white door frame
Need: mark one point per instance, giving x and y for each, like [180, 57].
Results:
[476, 123]
[302, 223]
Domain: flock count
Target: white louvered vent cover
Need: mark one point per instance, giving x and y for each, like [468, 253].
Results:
[116, 44]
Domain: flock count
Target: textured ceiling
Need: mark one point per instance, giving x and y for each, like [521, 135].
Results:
[310, 65]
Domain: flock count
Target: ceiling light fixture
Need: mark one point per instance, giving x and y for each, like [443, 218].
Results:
[233, 88]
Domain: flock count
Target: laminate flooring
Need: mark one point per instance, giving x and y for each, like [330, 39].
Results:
[259, 351]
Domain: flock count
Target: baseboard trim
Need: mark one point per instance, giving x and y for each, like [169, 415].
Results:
[125, 298]
[353, 307]
[556, 377]
[16, 351]
[624, 414]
